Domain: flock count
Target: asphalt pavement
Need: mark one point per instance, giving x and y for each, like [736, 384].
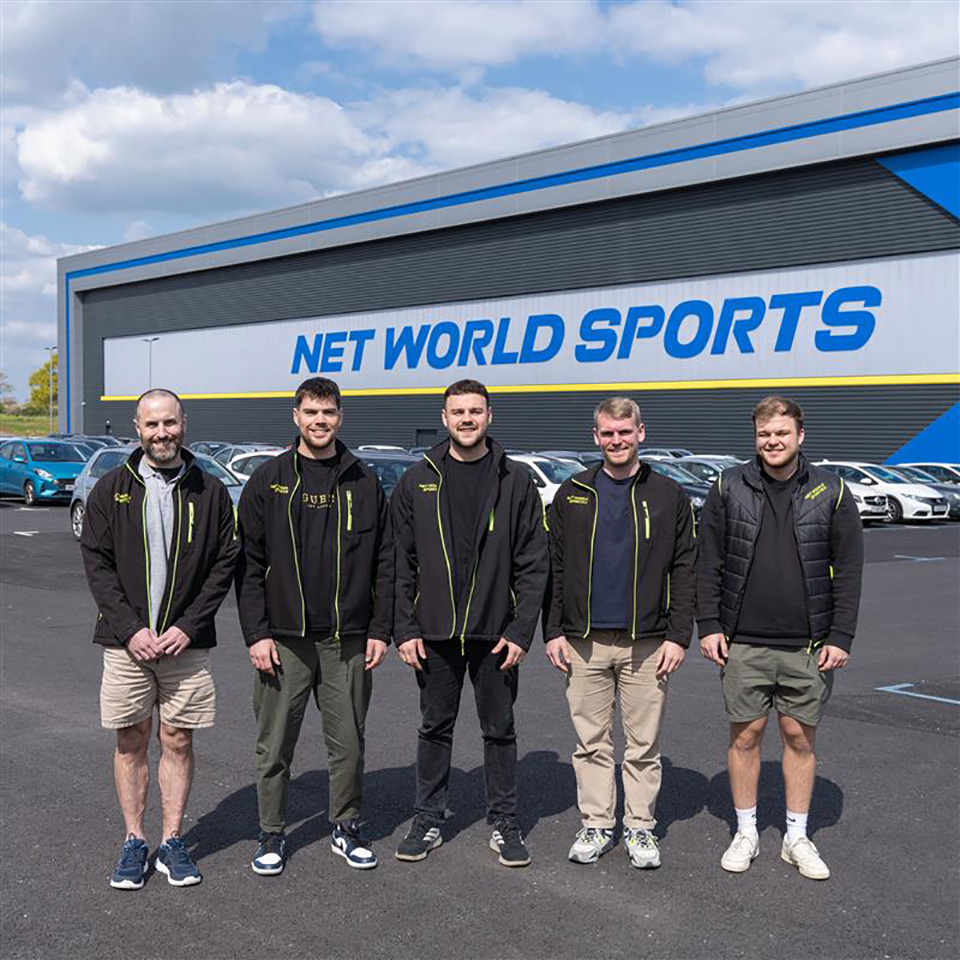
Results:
[884, 814]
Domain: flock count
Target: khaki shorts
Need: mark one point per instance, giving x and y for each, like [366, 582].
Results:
[181, 686]
[788, 679]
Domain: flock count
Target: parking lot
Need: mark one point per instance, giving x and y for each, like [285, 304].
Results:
[884, 813]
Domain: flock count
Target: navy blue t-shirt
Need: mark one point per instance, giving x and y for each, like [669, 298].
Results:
[611, 589]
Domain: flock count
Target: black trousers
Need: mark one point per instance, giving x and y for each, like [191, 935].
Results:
[495, 691]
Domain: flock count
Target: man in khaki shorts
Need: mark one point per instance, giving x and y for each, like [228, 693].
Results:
[159, 547]
[619, 615]
[781, 558]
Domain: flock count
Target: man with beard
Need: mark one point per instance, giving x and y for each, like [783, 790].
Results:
[159, 547]
[472, 566]
[781, 558]
[315, 592]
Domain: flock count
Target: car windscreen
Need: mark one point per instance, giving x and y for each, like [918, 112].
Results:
[887, 476]
[672, 471]
[556, 471]
[917, 475]
[55, 453]
[215, 470]
[389, 471]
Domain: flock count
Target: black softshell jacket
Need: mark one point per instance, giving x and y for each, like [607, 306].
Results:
[505, 591]
[665, 558]
[269, 583]
[203, 554]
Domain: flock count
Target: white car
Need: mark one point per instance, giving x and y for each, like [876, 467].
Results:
[907, 501]
[872, 505]
[243, 465]
[547, 472]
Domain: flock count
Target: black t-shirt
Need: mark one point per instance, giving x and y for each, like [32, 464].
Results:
[774, 609]
[317, 531]
[467, 486]
[168, 473]
[611, 586]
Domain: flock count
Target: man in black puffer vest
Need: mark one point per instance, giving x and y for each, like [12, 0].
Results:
[781, 558]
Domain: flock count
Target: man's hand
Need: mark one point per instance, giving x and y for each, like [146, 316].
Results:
[832, 658]
[174, 641]
[144, 645]
[558, 653]
[514, 653]
[376, 651]
[264, 655]
[412, 652]
[714, 647]
[669, 658]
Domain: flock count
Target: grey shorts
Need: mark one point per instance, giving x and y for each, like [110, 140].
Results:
[788, 679]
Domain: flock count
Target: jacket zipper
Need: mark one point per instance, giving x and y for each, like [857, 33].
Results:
[636, 555]
[593, 534]
[146, 545]
[646, 520]
[336, 591]
[190, 523]
[443, 544]
[349, 494]
[176, 556]
[293, 544]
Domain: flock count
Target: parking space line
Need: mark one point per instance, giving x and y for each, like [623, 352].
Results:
[900, 556]
[25, 533]
[899, 688]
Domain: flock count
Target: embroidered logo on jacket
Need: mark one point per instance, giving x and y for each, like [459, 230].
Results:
[578, 498]
[279, 488]
[429, 487]
[122, 497]
[816, 491]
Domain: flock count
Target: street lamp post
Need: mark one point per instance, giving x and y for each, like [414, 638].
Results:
[149, 341]
[50, 353]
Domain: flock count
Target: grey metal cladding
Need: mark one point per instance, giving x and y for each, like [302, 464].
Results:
[866, 423]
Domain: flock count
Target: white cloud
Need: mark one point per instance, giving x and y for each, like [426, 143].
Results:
[138, 230]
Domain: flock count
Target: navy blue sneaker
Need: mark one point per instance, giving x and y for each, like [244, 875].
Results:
[175, 862]
[271, 854]
[347, 842]
[131, 868]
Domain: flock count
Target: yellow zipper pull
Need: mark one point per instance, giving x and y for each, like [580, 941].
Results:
[646, 520]
[349, 494]
[190, 521]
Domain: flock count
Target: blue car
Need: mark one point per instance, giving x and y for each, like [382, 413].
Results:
[40, 470]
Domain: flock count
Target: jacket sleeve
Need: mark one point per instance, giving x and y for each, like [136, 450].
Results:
[220, 572]
[406, 625]
[531, 564]
[553, 599]
[683, 575]
[252, 564]
[846, 557]
[381, 622]
[713, 521]
[100, 564]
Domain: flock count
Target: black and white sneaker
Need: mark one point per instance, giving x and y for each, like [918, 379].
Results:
[347, 842]
[507, 840]
[271, 855]
[131, 868]
[422, 837]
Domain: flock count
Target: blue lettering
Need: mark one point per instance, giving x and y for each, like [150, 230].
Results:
[500, 353]
[444, 329]
[741, 326]
[305, 354]
[404, 342]
[862, 321]
[606, 337]
[632, 331]
[792, 305]
[529, 352]
[360, 338]
[476, 335]
[332, 361]
[703, 313]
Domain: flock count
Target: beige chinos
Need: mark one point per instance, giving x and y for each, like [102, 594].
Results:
[604, 666]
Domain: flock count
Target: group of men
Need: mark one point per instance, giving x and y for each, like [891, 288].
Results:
[457, 570]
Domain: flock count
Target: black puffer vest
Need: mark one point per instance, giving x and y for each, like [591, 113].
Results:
[814, 500]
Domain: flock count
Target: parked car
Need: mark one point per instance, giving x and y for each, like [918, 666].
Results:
[39, 470]
[944, 472]
[694, 488]
[105, 460]
[547, 473]
[668, 452]
[387, 447]
[208, 447]
[242, 466]
[558, 454]
[907, 501]
[225, 454]
[387, 465]
[872, 506]
[949, 491]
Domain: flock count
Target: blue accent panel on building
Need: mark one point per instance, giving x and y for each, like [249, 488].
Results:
[934, 172]
[937, 443]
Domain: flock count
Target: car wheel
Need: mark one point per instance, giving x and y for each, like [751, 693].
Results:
[76, 519]
[896, 511]
[29, 494]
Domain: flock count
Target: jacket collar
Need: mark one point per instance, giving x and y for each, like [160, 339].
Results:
[189, 461]
[347, 458]
[589, 476]
[436, 454]
[752, 471]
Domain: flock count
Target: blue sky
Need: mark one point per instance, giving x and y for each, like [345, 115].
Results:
[126, 120]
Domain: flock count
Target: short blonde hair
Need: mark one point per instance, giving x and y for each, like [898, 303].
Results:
[619, 408]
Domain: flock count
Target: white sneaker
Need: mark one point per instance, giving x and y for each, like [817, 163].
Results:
[741, 852]
[591, 844]
[805, 857]
[642, 848]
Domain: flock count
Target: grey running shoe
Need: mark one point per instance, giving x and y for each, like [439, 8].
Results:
[642, 848]
[805, 857]
[591, 844]
[741, 853]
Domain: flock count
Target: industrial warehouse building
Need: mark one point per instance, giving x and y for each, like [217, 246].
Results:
[807, 245]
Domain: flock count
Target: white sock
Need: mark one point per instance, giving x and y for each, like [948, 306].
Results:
[747, 820]
[796, 825]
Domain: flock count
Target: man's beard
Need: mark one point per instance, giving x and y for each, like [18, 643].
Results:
[163, 454]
